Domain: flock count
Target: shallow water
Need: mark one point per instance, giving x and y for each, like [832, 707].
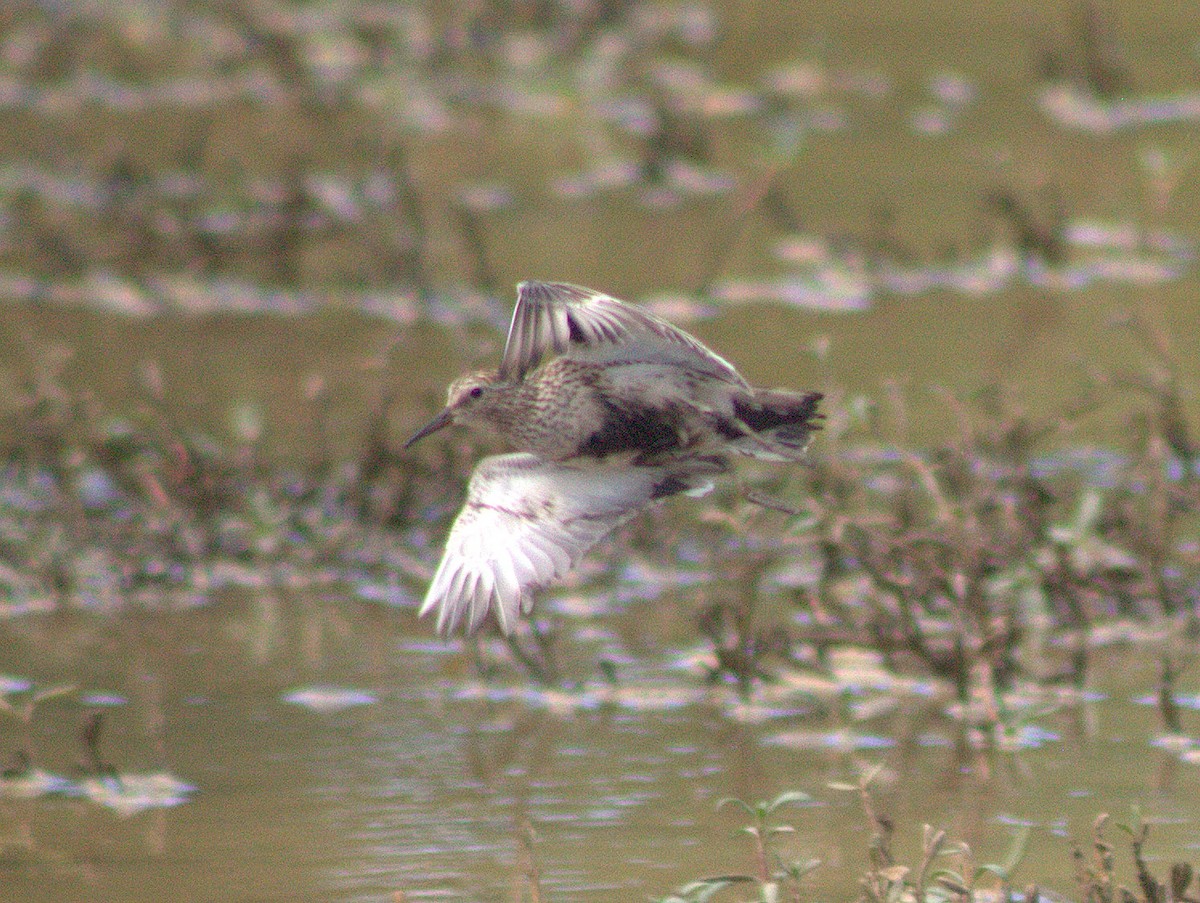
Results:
[832, 198]
[424, 781]
[313, 745]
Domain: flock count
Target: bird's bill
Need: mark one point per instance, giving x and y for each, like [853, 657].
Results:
[441, 420]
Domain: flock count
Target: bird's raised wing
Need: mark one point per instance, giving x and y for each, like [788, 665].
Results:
[525, 524]
[557, 318]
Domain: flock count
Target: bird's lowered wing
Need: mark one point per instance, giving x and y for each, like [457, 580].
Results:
[526, 522]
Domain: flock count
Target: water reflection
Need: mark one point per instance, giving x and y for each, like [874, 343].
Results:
[249, 235]
[421, 788]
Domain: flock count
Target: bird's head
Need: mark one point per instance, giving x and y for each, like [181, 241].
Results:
[466, 400]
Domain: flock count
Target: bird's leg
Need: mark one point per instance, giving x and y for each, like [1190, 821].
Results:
[540, 664]
[770, 502]
[761, 442]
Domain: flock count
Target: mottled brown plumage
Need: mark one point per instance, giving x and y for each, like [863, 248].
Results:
[609, 409]
[620, 381]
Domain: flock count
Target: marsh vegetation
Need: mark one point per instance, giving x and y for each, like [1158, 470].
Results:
[243, 247]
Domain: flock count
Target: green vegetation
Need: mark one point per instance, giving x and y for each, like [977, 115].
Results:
[243, 245]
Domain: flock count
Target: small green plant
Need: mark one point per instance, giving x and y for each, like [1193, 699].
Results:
[889, 881]
[1097, 875]
[775, 877]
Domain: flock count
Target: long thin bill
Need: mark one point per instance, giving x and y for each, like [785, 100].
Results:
[441, 420]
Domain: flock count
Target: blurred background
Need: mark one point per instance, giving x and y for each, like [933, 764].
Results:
[245, 245]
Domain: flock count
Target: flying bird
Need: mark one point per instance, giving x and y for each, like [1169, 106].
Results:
[609, 408]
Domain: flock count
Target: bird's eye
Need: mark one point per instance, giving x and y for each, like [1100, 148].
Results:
[476, 392]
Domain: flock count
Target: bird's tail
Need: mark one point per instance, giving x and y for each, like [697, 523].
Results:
[778, 423]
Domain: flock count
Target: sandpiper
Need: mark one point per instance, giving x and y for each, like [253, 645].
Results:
[610, 408]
